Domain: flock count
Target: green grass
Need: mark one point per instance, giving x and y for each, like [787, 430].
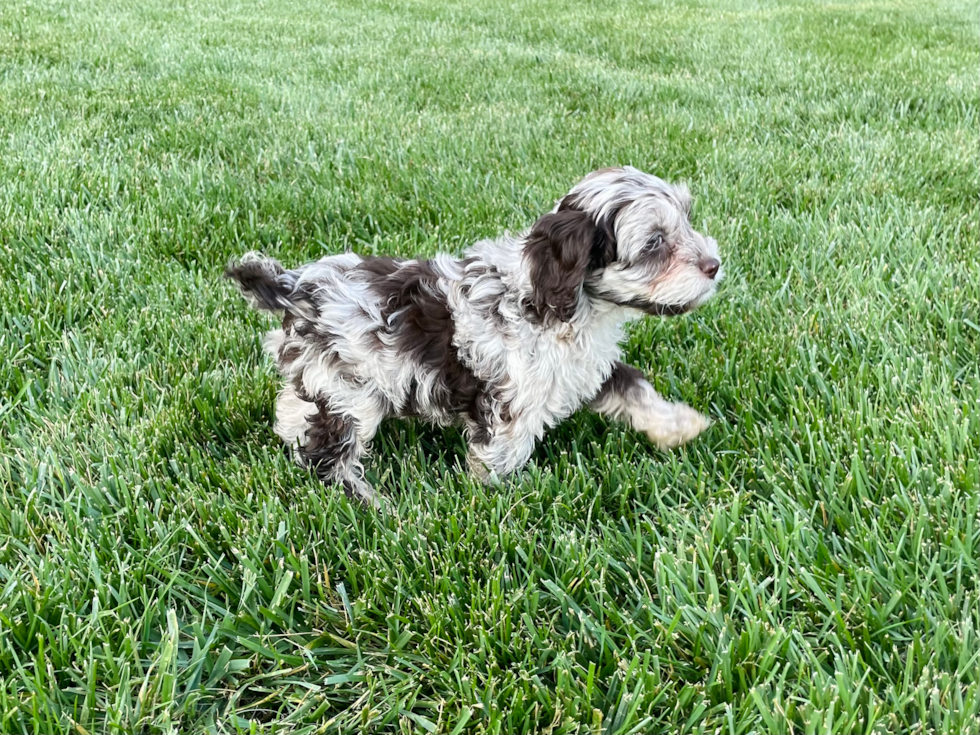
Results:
[810, 565]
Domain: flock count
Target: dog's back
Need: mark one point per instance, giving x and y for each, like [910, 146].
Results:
[374, 334]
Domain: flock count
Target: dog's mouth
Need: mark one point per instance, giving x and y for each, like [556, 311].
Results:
[657, 309]
[673, 309]
[652, 306]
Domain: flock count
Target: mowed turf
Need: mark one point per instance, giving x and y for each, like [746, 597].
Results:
[809, 565]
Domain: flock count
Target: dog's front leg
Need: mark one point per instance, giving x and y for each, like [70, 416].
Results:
[505, 450]
[627, 396]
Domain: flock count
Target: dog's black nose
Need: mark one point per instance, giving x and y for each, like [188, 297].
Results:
[709, 266]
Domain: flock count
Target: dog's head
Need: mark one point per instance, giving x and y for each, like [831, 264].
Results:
[624, 237]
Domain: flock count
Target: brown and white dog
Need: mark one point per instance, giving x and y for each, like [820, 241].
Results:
[508, 340]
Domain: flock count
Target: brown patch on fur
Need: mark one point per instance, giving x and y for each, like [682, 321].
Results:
[288, 355]
[562, 248]
[604, 250]
[330, 441]
[622, 380]
[418, 317]
[378, 267]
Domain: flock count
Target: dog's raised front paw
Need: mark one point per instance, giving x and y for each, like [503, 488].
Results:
[685, 424]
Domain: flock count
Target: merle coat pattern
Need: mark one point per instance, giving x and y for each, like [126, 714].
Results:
[508, 340]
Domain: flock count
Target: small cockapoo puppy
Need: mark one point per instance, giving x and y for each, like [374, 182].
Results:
[507, 341]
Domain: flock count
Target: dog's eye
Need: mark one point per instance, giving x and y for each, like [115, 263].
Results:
[657, 244]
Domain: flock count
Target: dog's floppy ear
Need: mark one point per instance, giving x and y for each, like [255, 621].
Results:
[561, 249]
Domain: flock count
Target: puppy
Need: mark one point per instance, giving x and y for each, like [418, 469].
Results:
[507, 341]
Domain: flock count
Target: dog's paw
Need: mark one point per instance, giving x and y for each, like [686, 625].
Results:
[684, 424]
[360, 491]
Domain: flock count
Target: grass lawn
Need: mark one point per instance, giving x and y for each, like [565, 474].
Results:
[809, 565]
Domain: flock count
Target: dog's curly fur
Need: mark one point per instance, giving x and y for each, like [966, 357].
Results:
[508, 340]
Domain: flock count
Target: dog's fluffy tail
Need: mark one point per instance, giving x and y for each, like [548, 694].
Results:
[265, 283]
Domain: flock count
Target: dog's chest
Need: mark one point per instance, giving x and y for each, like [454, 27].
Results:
[538, 376]
[563, 371]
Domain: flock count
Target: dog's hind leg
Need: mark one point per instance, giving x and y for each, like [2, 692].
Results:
[325, 441]
[292, 419]
[627, 396]
[333, 450]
